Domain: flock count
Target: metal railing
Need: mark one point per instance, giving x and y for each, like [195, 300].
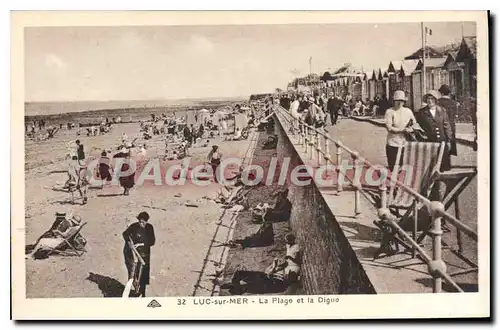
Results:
[316, 143]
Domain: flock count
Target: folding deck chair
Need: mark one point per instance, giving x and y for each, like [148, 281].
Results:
[424, 161]
[137, 267]
[71, 241]
[456, 179]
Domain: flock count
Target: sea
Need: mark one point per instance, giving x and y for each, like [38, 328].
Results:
[87, 112]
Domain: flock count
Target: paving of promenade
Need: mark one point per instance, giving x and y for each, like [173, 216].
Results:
[369, 140]
[400, 273]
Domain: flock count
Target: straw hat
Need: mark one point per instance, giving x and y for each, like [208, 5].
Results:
[76, 220]
[434, 94]
[399, 96]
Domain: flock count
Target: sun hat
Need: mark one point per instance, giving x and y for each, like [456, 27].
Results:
[434, 94]
[399, 96]
[76, 219]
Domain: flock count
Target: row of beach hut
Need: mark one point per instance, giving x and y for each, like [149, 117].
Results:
[456, 68]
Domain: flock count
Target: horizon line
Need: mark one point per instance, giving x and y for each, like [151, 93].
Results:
[153, 99]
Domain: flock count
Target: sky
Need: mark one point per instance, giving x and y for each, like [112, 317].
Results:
[176, 62]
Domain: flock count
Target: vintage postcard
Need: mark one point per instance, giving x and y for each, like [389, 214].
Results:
[250, 165]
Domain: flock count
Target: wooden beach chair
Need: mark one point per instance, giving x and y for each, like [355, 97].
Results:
[456, 179]
[423, 160]
[138, 267]
[70, 244]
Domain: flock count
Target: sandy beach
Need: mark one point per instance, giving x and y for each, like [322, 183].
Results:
[183, 233]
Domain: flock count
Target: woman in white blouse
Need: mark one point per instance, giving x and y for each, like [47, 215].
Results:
[399, 120]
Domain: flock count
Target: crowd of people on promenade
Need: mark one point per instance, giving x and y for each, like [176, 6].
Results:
[434, 122]
[317, 109]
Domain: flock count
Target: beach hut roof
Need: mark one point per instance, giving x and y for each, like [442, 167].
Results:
[432, 63]
[467, 48]
[394, 66]
[408, 66]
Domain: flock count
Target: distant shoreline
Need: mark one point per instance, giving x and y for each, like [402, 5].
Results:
[33, 110]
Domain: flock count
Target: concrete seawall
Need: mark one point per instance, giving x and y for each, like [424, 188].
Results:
[330, 265]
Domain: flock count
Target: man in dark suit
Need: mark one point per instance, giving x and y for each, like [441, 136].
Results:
[434, 121]
[333, 105]
[451, 108]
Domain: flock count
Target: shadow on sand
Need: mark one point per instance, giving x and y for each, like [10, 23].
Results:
[109, 195]
[108, 286]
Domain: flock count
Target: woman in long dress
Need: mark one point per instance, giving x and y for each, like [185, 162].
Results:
[127, 182]
[142, 235]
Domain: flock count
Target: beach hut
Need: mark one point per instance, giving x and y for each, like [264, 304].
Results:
[456, 75]
[380, 84]
[372, 85]
[357, 87]
[405, 72]
[365, 89]
[435, 76]
[399, 73]
[467, 54]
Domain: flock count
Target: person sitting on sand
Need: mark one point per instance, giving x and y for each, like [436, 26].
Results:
[61, 229]
[264, 236]
[271, 142]
[281, 210]
[237, 134]
[289, 269]
[276, 278]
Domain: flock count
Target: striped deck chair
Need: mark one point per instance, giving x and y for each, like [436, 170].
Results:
[72, 243]
[420, 162]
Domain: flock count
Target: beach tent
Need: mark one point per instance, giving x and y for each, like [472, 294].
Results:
[240, 120]
[202, 115]
[190, 117]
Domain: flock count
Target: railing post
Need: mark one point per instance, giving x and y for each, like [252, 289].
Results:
[306, 137]
[436, 266]
[327, 151]
[355, 160]
[459, 232]
[301, 132]
[318, 147]
[383, 195]
[337, 168]
[312, 138]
